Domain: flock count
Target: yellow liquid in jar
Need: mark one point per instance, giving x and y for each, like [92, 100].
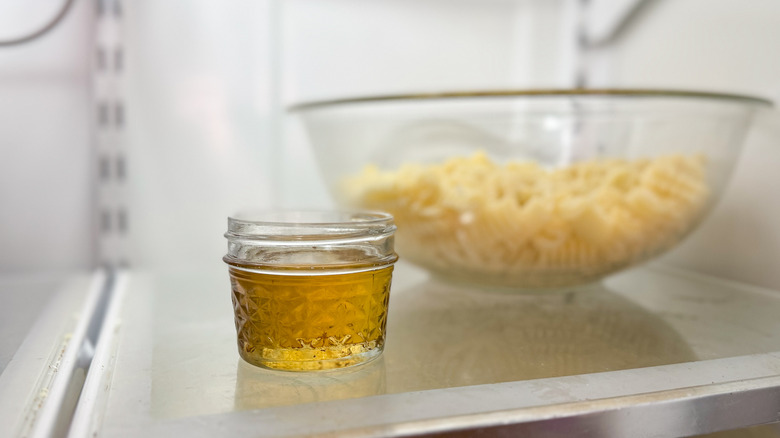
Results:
[310, 322]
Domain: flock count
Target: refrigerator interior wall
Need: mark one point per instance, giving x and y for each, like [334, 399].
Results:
[200, 125]
[722, 45]
[45, 119]
[206, 87]
[343, 48]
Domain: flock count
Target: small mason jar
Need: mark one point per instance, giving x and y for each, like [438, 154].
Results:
[310, 289]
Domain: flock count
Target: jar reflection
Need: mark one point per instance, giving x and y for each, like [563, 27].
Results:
[259, 388]
[445, 336]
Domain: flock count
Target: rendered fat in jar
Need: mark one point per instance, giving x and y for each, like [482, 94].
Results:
[310, 289]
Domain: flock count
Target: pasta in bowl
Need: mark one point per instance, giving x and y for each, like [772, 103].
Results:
[521, 224]
[533, 191]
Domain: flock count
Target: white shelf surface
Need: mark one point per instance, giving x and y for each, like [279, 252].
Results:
[651, 352]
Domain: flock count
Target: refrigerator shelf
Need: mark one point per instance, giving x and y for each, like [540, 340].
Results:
[48, 328]
[650, 352]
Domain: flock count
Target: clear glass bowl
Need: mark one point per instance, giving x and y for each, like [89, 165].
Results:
[532, 189]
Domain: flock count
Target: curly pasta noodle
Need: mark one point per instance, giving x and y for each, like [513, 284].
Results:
[522, 225]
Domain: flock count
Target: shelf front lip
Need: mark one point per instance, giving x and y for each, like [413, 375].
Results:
[676, 412]
[680, 399]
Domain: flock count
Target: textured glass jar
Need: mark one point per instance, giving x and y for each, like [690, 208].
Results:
[310, 289]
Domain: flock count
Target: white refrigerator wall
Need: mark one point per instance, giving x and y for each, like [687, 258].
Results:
[343, 48]
[46, 175]
[206, 86]
[200, 133]
[720, 45]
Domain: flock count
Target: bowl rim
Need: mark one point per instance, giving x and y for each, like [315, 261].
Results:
[553, 92]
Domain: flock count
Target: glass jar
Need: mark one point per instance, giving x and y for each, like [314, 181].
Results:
[310, 288]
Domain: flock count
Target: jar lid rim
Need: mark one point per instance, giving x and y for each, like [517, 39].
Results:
[308, 225]
[303, 218]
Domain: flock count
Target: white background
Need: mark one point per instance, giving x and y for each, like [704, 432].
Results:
[205, 84]
[45, 158]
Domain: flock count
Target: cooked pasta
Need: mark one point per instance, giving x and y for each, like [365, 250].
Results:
[521, 224]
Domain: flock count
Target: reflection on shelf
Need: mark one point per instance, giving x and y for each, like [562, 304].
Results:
[441, 335]
[258, 388]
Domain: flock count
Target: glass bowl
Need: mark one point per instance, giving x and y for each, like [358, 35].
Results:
[532, 189]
